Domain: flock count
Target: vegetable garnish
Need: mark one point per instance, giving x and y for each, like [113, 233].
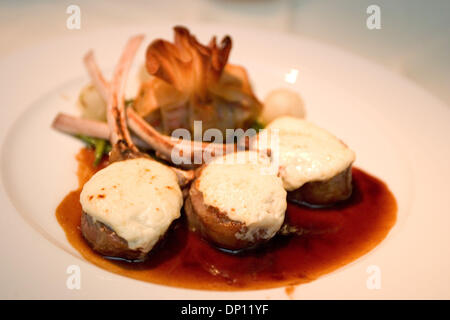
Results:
[257, 125]
[100, 146]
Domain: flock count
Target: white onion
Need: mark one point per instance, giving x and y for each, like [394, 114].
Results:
[282, 102]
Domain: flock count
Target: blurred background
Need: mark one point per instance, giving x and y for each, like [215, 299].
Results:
[414, 39]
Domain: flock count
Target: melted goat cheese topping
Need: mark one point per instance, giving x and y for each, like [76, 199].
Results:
[137, 198]
[242, 186]
[307, 152]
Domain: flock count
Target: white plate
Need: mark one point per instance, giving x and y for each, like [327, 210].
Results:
[399, 132]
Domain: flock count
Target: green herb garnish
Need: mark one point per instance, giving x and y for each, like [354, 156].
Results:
[100, 146]
[129, 102]
[257, 125]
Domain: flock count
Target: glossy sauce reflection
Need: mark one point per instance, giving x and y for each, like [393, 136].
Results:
[332, 238]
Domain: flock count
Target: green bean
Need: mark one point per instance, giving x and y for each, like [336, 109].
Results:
[129, 102]
[100, 146]
[99, 150]
[88, 140]
[257, 125]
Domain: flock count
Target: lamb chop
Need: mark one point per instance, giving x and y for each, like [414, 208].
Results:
[234, 203]
[129, 205]
[315, 165]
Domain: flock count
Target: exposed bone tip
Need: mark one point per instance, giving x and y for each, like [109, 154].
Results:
[139, 35]
[138, 38]
[56, 120]
[61, 121]
[88, 55]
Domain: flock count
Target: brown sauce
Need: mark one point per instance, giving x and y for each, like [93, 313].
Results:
[333, 237]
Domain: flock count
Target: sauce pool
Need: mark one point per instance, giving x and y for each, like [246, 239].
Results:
[332, 237]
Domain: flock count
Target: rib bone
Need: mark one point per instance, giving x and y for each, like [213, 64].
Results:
[92, 128]
[115, 103]
[123, 146]
[166, 147]
[96, 75]
[74, 125]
